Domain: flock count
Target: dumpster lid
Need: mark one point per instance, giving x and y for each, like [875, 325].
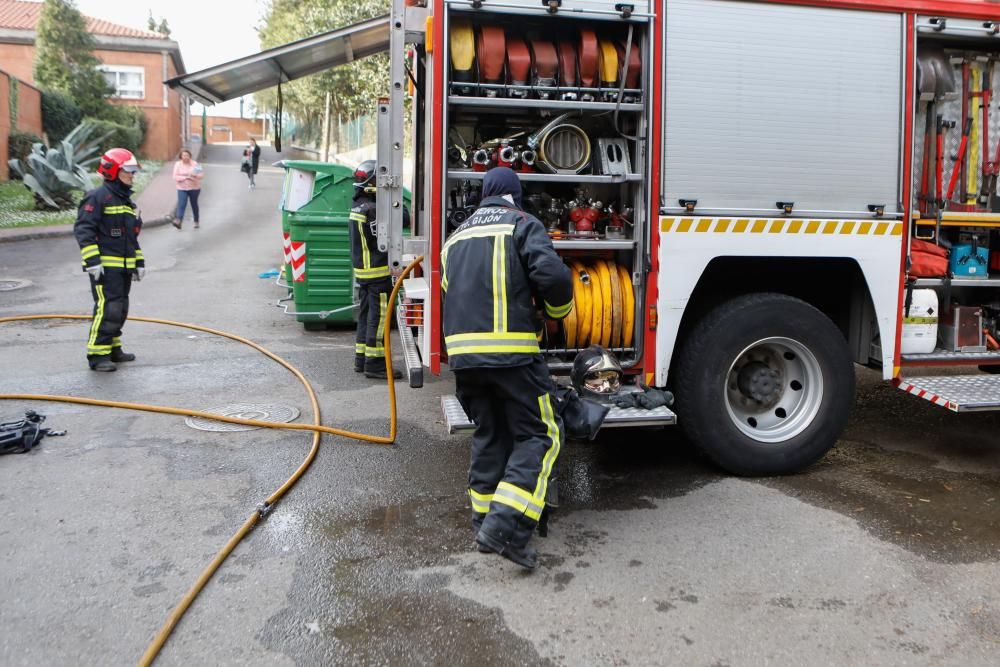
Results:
[312, 165]
[285, 63]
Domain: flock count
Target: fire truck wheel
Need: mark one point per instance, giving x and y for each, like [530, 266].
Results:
[765, 384]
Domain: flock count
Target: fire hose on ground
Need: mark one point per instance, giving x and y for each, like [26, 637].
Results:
[316, 428]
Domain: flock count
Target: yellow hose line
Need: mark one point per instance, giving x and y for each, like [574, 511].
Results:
[317, 429]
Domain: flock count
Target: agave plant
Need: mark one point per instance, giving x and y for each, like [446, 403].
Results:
[52, 173]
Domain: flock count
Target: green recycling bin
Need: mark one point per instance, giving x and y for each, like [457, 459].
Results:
[318, 244]
[304, 179]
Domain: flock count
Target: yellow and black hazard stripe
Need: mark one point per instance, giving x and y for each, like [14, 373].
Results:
[684, 225]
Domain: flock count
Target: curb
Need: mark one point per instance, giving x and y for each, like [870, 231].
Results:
[54, 231]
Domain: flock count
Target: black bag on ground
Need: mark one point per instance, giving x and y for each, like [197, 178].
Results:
[18, 437]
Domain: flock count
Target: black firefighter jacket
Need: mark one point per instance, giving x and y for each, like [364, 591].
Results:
[370, 263]
[494, 268]
[107, 228]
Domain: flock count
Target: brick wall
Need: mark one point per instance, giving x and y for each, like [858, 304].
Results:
[4, 123]
[29, 109]
[223, 129]
[18, 61]
[161, 105]
[29, 115]
[164, 137]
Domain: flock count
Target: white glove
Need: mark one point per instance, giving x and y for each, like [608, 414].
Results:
[139, 274]
[96, 271]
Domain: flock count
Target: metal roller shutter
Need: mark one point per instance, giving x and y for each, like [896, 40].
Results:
[768, 103]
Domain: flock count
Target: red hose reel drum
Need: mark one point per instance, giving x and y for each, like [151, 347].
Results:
[490, 51]
[518, 65]
[544, 67]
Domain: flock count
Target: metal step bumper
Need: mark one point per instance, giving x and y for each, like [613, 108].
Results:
[958, 393]
[457, 420]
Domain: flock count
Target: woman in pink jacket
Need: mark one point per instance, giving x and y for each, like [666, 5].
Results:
[187, 175]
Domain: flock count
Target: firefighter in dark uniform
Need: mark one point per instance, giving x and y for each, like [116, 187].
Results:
[107, 229]
[497, 268]
[371, 271]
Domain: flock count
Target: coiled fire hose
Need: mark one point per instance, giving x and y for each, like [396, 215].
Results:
[316, 428]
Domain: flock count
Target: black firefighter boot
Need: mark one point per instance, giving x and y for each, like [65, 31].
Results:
[359, 363]
[477, 523]
[119, 355]
[102, 364]
[513, 546]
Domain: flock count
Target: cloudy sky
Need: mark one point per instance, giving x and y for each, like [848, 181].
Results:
[209, 32]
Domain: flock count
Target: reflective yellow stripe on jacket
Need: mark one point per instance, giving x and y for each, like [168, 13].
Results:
[558, 312]
[377, 272]
[115, 210]
[492, 342]
[115, 262]
[366, 257]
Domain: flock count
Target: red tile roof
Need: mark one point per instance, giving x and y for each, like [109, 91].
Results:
[24, 15]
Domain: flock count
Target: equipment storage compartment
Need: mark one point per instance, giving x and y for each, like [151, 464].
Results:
[956, 161]
[564, 101]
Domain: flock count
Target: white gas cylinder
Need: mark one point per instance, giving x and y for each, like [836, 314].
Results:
[920, 326]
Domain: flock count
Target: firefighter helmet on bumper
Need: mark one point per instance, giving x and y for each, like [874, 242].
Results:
[596, 372]
[115, 161]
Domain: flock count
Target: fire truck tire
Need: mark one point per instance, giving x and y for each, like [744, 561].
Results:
[764, 384]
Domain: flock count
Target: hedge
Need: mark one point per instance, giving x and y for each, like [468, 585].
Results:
[60, 115]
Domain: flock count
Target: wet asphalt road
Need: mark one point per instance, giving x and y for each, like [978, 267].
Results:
[884, 553]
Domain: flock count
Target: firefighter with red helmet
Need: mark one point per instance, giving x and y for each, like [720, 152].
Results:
[107, 229]
[497, 267]
[371, 272]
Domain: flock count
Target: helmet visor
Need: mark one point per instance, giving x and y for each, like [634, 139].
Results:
[131, 168]
[603, 382]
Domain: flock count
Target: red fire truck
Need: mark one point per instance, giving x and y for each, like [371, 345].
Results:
[754, 196]
[745, 180]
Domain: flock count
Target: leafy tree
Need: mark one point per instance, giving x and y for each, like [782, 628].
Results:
[355, 87]
[64, 58]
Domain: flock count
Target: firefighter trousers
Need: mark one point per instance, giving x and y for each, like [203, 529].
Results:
[514, 449]
[110, 294]
[373, 297]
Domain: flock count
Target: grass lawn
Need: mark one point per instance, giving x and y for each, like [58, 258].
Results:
[17, 203]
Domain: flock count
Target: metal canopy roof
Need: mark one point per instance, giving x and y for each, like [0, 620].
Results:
[285, 63]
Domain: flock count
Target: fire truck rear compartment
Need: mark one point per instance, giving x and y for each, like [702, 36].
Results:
[564, 103]
[956, 159]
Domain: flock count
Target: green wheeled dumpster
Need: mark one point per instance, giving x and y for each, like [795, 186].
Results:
[304, 180]
[318, 244]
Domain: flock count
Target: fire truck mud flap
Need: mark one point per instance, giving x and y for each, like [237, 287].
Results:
[411, 356]
[456, 419]
[958, 393]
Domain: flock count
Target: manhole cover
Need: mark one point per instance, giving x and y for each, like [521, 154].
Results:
[11, 284]
[270, 413]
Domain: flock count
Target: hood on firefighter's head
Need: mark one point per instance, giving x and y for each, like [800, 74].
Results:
[501, 181]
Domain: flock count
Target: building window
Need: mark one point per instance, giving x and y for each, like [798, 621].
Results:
[128, 82]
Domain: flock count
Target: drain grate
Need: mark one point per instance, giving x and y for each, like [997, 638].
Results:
[11, 284]
[271, 413]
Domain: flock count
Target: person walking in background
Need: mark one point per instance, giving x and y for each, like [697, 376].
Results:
[187, 176]
[251, 160]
